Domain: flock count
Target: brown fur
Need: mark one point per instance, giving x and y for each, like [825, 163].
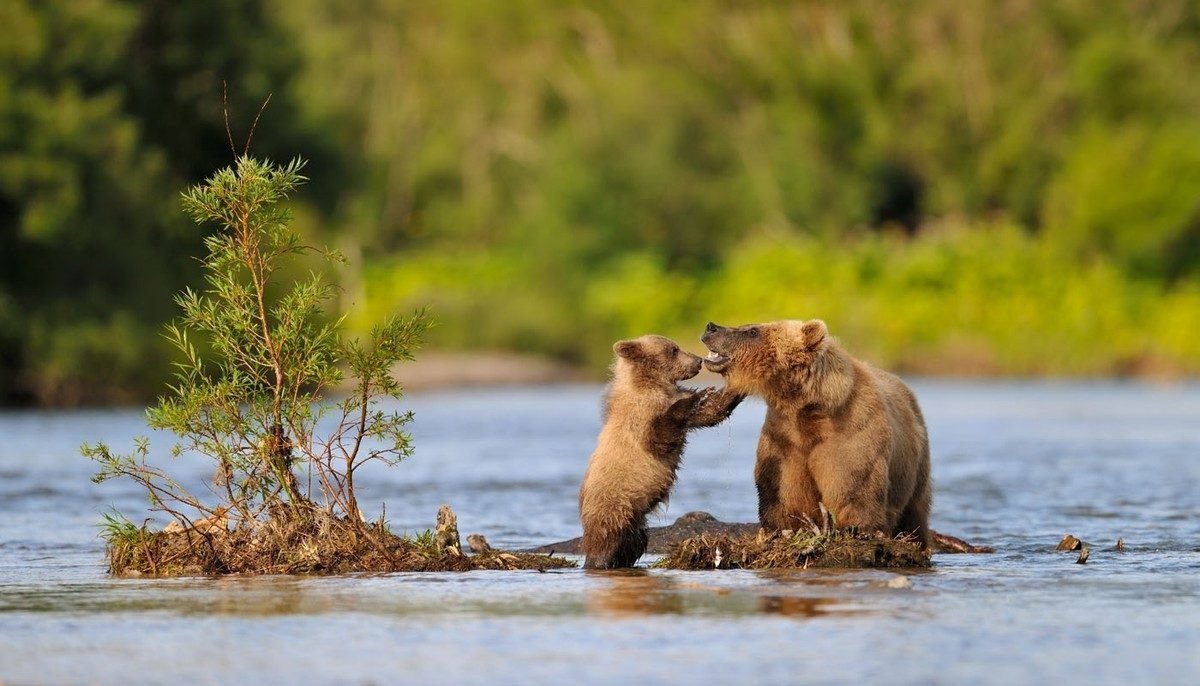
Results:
[838, 431]
[646, 419]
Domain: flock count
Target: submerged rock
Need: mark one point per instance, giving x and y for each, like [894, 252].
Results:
[663, 538]
[1068, 543]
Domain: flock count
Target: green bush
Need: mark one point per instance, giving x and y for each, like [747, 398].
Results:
[253, 402]
[1132, 194]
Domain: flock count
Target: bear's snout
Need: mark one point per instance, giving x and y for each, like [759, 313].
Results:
[692, 367]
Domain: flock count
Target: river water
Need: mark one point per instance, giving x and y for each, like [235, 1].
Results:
[1016, 466]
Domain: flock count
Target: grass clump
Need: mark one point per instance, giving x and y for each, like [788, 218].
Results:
[845, 549]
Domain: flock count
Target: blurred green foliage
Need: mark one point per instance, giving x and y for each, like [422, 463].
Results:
[1009, 187]
[109, 108]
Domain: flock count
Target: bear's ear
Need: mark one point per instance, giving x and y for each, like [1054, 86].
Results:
[814, 333]
[626, 349]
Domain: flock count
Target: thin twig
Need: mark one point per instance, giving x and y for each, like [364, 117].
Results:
[225, 108]
[254, 126]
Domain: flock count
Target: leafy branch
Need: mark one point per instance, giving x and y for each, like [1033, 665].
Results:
[257, 362]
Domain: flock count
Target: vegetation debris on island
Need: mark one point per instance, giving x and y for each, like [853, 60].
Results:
[806, 549]
[305, 541]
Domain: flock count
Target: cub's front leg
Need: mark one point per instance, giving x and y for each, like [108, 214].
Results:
[714, 407]
[684, 407]
[667, 432]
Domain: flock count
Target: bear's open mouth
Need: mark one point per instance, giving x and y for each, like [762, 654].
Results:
[716, 362]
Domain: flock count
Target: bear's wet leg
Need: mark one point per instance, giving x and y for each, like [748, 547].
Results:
[915, 519]
[618, 550]
[862, 517]
[599, 556]
[766, 480]
[632, 546]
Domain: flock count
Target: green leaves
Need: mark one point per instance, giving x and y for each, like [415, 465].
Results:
[257, 359]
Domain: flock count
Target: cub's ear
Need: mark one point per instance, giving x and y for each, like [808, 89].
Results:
[814, 333]
[626, 349]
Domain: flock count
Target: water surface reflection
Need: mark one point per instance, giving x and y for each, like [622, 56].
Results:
[629, 593]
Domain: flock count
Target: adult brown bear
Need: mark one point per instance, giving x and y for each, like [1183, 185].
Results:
[838, 431]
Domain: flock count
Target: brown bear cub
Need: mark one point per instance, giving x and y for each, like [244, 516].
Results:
[646, 419]
[838, 431]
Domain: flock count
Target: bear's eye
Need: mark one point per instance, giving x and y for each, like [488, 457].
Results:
[753, 332]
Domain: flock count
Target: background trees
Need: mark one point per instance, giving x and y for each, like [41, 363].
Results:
[1011, 185]
[107, 110]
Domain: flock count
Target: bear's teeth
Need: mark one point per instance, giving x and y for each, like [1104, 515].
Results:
[715, 356]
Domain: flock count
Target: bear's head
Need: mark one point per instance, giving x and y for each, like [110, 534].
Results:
[768, 359]
[656, 360]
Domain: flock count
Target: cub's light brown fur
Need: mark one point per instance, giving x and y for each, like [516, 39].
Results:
[838, 431]
[646, 419]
